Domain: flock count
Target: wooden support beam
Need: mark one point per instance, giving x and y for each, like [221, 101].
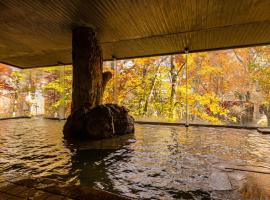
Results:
[87, 68]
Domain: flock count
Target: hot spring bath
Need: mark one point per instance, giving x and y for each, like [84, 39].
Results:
[157, 162]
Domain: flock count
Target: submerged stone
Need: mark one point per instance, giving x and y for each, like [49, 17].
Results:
[102, 121]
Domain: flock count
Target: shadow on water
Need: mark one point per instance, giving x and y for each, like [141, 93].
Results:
[91, 167]
[90, 160]
[197, 194]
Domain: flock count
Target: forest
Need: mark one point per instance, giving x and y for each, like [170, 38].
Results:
[217, 87]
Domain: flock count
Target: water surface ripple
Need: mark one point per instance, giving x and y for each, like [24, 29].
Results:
[157, 162]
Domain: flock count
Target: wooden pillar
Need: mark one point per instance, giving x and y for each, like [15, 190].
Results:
[87, 68]
[61, 110]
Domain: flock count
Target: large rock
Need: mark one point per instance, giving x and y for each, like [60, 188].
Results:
[75, 126]
[123, 122]
[100, 122]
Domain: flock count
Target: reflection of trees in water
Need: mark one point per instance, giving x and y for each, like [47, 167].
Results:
[174, 147]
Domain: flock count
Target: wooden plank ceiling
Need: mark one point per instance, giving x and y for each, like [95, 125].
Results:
[36, 33]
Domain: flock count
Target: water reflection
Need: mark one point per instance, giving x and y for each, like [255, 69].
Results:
[90, 160]
[158, 162]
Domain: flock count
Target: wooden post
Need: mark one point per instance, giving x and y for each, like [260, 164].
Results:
[87, 68]
[186, 73]
[115, 81]
[61, 110]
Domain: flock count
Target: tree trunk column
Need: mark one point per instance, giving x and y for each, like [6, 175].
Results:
[87, 68]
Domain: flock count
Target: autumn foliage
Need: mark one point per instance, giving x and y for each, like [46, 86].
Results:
[223, 87]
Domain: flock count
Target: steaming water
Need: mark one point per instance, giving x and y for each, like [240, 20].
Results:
[157, 162]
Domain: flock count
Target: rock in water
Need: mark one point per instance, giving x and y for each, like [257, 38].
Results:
[75, 126]
[100, 122]
[122, 121]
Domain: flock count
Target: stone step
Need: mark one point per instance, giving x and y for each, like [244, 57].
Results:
[264, 130]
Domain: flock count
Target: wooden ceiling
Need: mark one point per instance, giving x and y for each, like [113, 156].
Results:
[35, 33]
